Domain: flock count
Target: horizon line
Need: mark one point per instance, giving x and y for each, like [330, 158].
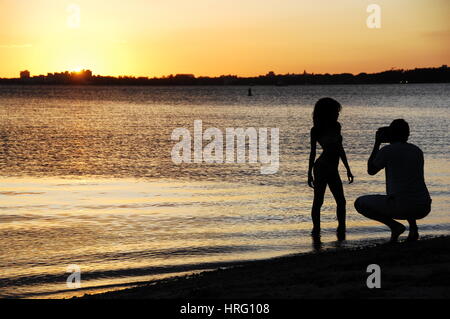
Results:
[218, 76]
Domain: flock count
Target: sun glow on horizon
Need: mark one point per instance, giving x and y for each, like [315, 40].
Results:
[212, 37]
[78, 69]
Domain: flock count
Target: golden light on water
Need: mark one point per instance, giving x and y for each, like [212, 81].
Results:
[88, 178]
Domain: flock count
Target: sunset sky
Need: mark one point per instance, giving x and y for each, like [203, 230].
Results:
[214, 37]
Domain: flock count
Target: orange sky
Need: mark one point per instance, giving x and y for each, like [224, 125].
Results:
[214, 37]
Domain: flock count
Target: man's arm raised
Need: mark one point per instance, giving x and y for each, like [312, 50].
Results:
[372, 168]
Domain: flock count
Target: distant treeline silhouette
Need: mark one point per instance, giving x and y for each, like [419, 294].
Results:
[85, 77]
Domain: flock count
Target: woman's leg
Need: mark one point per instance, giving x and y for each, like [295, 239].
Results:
[320, 185]
[337, 190]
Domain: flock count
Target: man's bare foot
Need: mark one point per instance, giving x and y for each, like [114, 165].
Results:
[396, 231]
[413, 235]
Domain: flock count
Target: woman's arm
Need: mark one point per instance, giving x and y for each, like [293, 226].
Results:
[312, 158]
[343, 157]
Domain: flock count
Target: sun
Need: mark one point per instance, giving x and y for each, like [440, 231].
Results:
[77, 69]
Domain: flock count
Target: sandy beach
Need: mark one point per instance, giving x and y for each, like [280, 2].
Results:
[408, 270]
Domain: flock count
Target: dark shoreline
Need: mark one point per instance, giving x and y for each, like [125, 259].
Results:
[394, 76]
[408, 270]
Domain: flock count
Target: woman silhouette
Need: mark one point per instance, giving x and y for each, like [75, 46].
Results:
[327, 132]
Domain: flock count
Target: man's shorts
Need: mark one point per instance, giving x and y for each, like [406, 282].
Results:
[389, 206]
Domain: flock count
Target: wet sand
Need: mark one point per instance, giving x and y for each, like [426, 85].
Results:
[408, 270]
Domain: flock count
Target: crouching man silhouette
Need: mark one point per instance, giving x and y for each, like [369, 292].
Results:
[407, 195]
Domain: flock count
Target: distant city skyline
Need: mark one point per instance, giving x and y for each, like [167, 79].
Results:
[215, 37]
[29, 74]
[86, 77]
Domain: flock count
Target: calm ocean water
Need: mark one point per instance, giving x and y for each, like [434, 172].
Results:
[87, 179]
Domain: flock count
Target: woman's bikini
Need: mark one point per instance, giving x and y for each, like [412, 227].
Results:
[327, 163]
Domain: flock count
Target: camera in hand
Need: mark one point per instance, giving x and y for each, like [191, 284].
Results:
[385, 134]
